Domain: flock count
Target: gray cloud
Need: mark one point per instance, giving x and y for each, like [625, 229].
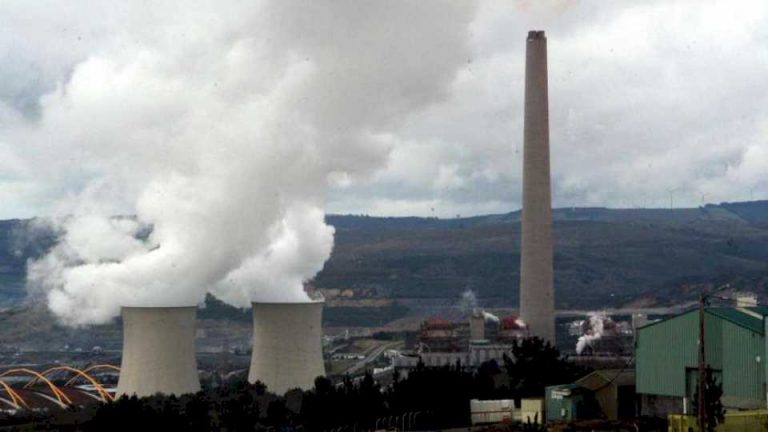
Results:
[646, 97]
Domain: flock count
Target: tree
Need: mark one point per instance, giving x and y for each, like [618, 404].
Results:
[490, 382]
[534, 364]
[277, 414]
[713, 391]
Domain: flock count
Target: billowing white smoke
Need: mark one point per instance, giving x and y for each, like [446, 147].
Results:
[595, 330]
[468, 301]
[219, 126]
[297, 244]
[490, 317]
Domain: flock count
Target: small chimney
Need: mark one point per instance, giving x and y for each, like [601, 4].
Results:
[477, 325]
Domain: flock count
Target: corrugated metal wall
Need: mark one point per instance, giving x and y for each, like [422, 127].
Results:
[664, 350]
[743, 375]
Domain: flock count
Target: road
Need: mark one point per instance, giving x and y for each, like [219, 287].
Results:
[375, 353]
[667, 310]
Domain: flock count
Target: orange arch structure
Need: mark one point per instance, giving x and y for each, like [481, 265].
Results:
[105, 396]
[98, 366]
[90, 368]
[17, 400]
[60, 396]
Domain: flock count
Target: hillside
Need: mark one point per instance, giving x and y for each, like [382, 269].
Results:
[604, 257]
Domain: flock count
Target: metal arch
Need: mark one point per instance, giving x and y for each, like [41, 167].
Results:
[90, 368]
[17, 400]
[63, 399]
[105, 396]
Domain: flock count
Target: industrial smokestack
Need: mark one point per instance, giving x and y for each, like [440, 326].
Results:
[477, 325]
[158, 351]
[287, 345]
[536, 276]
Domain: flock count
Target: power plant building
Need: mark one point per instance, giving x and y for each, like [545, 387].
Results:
[481, 338]
[536, 273]
[158, 351]
[287, 345]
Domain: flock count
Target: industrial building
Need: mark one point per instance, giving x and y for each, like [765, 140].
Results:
[735, 348]
[600, 335]
[607, 393]
[158, 351]
[480, 338]
[436, 334]
[287, 345]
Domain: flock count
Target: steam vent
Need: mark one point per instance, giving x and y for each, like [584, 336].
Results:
[158, 351]
[536, 278]
[287, 345]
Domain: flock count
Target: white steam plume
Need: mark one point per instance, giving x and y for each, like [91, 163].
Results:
[468, 301]
[219, 124]
[490, 317]
[594, 332]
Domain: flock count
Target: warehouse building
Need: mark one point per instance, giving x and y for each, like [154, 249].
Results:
[667, 359]
[606, 393]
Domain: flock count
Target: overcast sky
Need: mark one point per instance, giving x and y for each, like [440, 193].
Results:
[648, 100]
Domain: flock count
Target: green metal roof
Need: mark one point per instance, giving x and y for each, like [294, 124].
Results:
[738, 316]
[731, 314]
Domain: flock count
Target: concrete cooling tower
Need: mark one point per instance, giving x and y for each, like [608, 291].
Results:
[287, 345]
[537, 300]
[158, 351]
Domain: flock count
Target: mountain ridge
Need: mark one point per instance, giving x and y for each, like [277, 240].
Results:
[603, 257]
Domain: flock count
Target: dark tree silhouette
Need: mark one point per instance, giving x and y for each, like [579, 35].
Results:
[535, 364]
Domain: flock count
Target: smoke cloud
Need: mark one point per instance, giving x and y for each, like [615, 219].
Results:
[468, 301]
[490, 317]
[595, 329]
[220, 128]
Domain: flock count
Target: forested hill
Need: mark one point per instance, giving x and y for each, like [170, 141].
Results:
[604, 257]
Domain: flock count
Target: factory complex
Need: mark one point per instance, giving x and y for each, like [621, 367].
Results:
[481, 338]
[643, 367]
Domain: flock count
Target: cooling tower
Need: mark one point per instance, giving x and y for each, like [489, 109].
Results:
[287, 345]
[536, 278]
[158, 351]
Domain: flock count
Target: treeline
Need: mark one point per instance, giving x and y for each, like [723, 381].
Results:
[338, 316]
[428, 398]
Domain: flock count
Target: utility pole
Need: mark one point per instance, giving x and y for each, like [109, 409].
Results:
[702, 415]
[702, 366]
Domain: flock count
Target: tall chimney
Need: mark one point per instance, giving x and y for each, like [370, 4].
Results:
[158, 351]
[287, 345]
[536, 277]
